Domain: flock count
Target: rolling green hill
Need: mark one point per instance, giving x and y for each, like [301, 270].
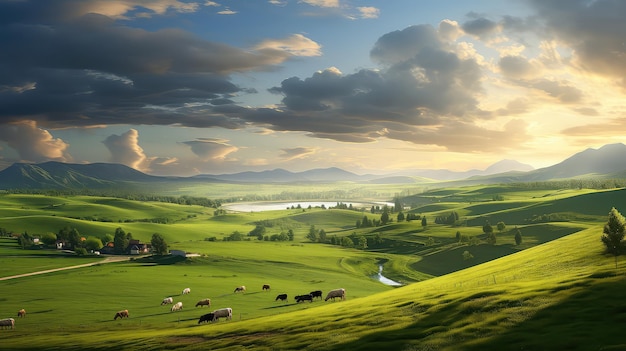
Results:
[555, 291]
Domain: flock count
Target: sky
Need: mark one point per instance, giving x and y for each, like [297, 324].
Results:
[177, 87]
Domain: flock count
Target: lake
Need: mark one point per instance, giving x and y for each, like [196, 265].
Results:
[270, 205]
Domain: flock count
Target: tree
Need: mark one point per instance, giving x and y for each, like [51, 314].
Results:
[159, 246]
[501, 226]
[518, 236]
[49, 239]
[384, 218]
[290, 234]
[613, 233]
[120, 242]
[362, 242]
[312, 235]
[321, 236]
[458, 236]
[487, 228]
[74, 238]
[92, 243]
[424, 222]
[25, 241]
[400, 216]
[467, 255]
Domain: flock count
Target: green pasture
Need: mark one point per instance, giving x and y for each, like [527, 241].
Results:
[557, 290]
[560, 295]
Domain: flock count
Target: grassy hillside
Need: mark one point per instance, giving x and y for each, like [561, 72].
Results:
[555, 291]
[560, 295]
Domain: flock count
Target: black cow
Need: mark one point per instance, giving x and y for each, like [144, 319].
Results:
[317, 293]
[282, 297]
[301, 298]
[206, 318]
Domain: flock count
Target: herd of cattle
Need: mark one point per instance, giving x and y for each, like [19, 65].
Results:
[9, 323]
[228, 312]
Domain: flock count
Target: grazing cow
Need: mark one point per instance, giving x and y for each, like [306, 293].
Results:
[186, 291]
[266, 287]
[177, 306]
[306, 297]
[223, 312]
[204, 302]
[282, 297]
[341, 293]
[209, 317]
[167, 301]
[240, 289]
[7, 323]
[121, 314]
[317, 293]
[21, 313]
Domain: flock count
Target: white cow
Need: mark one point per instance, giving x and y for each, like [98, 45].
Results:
[177, 307]
[186, 291]
[240, 289]
[341, 293]
[223, 312]
[7, 323]
[167, 301]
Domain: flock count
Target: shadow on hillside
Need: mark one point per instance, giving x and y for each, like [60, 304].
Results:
[160, 260]
[591, 317]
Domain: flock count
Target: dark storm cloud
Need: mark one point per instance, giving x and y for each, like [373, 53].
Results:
[61, 67]
[593, 29]
[423, 83]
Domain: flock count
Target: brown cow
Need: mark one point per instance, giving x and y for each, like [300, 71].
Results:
[121, 314]
[204, 302]
[266, 287]
[21, 313]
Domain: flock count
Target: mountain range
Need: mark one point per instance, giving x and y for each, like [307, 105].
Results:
[608, 161]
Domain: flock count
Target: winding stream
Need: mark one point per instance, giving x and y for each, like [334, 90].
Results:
[381, 278]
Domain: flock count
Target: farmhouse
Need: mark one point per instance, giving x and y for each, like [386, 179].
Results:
[136, 247]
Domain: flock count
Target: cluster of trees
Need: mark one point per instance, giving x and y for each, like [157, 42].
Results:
[259, 232]
[451, 218]
[81, 246]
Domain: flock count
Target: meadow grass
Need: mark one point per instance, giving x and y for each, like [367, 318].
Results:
[555, 291]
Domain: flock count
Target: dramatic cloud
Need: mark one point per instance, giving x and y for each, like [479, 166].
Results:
[593, 29]
[125, 150]
[209, 149]
[91, 70]
[33, 144]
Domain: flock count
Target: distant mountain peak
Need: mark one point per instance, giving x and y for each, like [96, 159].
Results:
[507, 165]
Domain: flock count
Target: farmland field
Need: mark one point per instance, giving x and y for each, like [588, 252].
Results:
[449, 300]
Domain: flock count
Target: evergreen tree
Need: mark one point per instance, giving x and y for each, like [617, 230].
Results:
[120, 242]
[424, 222]
[321, 236]
[384, 218]
[312, 235]
[613, 233]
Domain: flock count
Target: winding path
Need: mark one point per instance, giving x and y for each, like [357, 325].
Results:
[108, 259]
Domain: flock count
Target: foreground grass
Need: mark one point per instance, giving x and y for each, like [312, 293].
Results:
[560, 295]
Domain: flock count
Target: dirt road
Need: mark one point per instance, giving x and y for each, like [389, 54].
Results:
[106, 260]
